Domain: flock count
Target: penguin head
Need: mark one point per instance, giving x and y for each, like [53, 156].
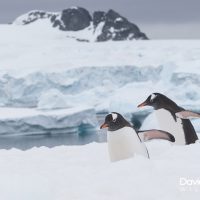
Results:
[114, 121]
[157, 101]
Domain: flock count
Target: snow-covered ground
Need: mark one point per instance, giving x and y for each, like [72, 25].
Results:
[85, 173]
[42, 69]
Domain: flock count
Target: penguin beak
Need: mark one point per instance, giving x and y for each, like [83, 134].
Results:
[142, 104]
[104, 125]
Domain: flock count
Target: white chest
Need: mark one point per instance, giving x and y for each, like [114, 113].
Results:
[167, 123]
[124, 143]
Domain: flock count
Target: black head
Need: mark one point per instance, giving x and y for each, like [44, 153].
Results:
[157, 101]
[115, 121]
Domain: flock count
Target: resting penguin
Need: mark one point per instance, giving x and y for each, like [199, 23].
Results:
[166, 109]
[124, 142]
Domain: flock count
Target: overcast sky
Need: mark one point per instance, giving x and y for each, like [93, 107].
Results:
[157, 18]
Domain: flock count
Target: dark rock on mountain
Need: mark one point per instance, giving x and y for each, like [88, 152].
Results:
[75, 19]
[98, 16]
[117, 27]
[105, 25]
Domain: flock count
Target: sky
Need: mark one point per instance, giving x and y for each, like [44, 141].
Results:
[159, 19]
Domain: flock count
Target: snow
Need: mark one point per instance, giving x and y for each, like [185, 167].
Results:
[37, 58]
[43, 68]
[98, 30]
[119, 19]
[85, 173]
[50, 49]
[53, 99]
[74, 7]
[196, 124]
[32, 16]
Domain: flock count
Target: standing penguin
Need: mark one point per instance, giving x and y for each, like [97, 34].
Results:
[124, 142]
[166, 112]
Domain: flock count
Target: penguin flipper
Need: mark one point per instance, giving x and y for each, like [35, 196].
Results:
[186, 114]
[155, 134]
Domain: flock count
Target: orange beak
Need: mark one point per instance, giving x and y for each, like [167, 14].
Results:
[142, 105]
[104, 125]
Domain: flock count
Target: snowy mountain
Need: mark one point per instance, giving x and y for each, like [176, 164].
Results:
[102, 26]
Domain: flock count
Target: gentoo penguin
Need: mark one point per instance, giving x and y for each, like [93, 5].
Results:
[166, 110]
[124, 142]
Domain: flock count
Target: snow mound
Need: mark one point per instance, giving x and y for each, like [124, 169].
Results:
[60, 172]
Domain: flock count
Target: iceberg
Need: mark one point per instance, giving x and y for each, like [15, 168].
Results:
[31, 121]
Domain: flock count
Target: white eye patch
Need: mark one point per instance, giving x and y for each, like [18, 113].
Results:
[153, 96]
[114, 116]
